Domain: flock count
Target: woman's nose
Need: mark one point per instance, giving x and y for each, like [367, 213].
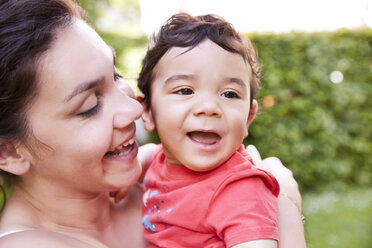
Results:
[126, 110]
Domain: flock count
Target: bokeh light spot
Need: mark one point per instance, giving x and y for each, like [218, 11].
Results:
[269, 101]
[336, 77]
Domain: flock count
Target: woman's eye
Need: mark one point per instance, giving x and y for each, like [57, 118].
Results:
[230, 94]
[184, 91]
[92, 111]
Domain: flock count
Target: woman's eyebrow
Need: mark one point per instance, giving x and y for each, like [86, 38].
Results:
[84, 87]
[89, 85]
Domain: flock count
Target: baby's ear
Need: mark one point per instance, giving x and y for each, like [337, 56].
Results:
[252, 112]
[140, 97]
[146, 117]
[12, 161]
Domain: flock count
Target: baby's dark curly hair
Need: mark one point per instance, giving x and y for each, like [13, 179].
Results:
[184, 30]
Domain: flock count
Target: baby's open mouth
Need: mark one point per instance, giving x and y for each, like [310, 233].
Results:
[207, 138]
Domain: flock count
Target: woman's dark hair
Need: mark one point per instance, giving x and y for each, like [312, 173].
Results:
[184, 30]
[27, 30]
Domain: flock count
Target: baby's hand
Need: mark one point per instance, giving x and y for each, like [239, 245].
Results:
[119, 195]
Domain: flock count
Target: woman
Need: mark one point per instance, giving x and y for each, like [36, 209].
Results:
[67, 134]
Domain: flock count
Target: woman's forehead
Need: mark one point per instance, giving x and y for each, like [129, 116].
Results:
[76, 42]
[78, 55]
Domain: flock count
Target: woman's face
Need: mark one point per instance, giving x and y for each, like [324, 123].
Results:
[82, 119]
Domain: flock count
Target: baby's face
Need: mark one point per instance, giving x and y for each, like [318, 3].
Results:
[200, 104]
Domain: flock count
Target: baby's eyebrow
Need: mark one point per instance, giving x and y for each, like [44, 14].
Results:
[179, 77]
[237, 81]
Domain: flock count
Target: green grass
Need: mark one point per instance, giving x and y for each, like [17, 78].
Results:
[339, 219]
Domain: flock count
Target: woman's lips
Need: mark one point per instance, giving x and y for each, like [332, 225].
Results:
[124, 152]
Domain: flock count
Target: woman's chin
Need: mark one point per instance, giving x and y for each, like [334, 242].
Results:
[128, 178]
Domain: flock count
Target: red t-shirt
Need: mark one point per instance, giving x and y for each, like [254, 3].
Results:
[232, 204]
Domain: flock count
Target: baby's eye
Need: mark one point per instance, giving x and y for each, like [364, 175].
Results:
[184, 91]
[230, 94]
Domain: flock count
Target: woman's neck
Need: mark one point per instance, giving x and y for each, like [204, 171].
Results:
[91, 220]
[57, 210]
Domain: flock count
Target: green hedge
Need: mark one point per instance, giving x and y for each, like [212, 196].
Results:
[321, 130]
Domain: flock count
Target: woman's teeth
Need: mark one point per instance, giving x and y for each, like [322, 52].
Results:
[129, 142]
[122, 149]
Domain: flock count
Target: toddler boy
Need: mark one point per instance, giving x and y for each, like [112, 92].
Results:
[202, 189]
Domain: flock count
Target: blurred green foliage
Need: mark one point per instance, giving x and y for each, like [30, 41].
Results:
[321, 130]
[118, 23]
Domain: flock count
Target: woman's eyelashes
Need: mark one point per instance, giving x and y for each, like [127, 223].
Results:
[97, 101]
[92, 111]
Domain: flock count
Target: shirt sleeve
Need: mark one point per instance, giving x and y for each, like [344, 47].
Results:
[243, 210]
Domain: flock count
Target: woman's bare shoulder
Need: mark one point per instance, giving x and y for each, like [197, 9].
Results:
[40, 239]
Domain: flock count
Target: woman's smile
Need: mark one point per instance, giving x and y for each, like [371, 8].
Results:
[123, 152]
